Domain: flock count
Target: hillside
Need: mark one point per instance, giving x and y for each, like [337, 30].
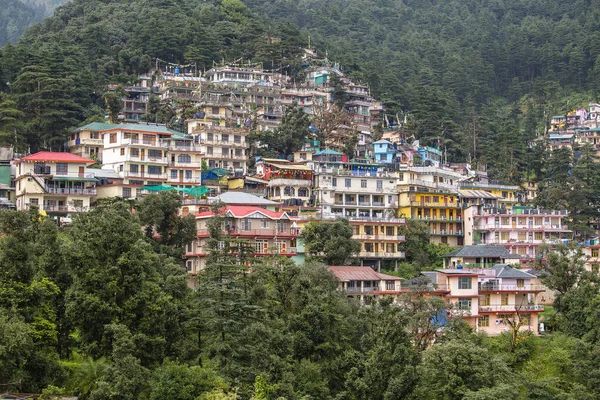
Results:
[473, 76]
[17, 15]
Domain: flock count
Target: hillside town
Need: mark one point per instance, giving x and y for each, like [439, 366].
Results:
[385, 180]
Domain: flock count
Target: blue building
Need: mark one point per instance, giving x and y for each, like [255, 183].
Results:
[384, 151]
[430, 156]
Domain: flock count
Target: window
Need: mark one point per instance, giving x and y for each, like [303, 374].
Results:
[485, 300]
[595, 253]
[348, 182]
[246, 224]
[126, 193]
[154, 170]
[215, 110]
[93, 135]
[363, 183]
[189, 265]
[112, 138]
[122, 151]
[379, 184]
[401, 177]
[504, 299]
[209, 150]
[302, 192]
[390, 285]
[334, 182]
[483, 321]
[237, 139]
[520, 283]
[264, 223]
[525, 319]
[34, 201]
[189, 247]
[464, 282]
[188, 174]
[238, 152]
[174, 174]
[539, 236]
[184, 158]
[260, 246]
[134, 152]
[154, 153]
[133, 168]
[62, 169]
[464, 303]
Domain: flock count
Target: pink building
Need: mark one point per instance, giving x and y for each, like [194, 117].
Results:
[491, 299]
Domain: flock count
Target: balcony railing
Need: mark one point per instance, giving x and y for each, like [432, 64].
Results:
[381, 254]
[67, 191]
[399, 238]
[511, 308]
[147, 175]
[445, 232]
[509, 288]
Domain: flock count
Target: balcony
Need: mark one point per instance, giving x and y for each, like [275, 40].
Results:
[445, 232]
[139, 142]
[399, 238]
[382, 254]
[185, 148]
[192, 180]
[493, 287]
[145, 175]
[510, 308]
[434, 204]
[92, 142]
[76, 191]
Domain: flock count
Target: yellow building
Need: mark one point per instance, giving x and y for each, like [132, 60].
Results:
[440, 209]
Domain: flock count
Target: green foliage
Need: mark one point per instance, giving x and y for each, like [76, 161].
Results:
[291, 135]
[330, 242]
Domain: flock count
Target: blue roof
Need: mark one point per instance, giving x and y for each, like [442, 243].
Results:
[328, 152]
[381, 141]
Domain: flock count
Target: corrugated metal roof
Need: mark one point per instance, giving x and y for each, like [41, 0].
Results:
[345, 274]
[506, 271]
[481, 251]
[476, 194]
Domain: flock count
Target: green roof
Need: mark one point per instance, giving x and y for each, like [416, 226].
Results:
[96, 126]
[558, 116]
[101, 126]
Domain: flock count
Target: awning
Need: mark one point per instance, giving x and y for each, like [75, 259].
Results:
[74, 178]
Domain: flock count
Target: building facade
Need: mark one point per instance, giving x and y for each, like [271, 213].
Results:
[56, 183]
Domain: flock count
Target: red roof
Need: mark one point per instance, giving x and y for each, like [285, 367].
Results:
[52, 156]
[244, 211]
[345, 274]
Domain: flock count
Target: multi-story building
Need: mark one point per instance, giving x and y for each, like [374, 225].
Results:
[289, 183]
[347, 193]
[365, 284]
[135, 103]
[139, 154]
[491, 299]
[184, 158]
[222, 147]
[267, 232]
[56, 183]
[521, 230]
[86, 141]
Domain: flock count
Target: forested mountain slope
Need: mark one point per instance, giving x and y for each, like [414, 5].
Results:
[490, 67]
[477, 75]
[17, 15]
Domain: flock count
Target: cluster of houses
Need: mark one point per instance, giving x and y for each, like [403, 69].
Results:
[494, 227]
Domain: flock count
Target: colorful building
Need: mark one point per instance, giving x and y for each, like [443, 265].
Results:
[56, 183]
[267, 232]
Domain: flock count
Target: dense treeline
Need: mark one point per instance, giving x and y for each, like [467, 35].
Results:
[101, 309]
[480, 76]
[58, 72]
[17, 15]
